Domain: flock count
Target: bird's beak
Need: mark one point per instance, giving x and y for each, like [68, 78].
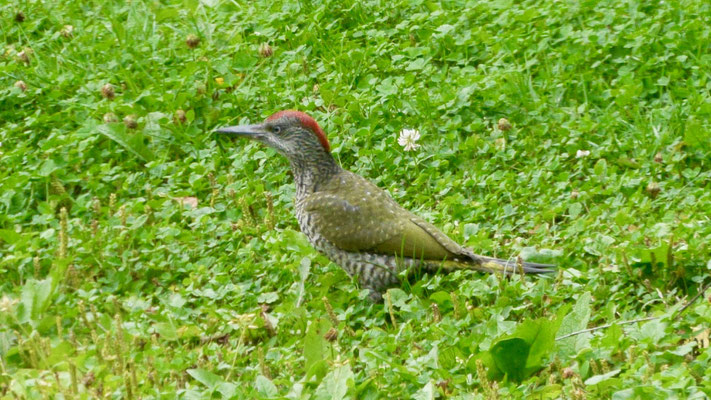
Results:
[256, 132]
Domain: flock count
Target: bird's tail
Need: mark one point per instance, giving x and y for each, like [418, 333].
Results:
[497, 265]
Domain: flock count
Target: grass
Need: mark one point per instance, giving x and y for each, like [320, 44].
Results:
[142, 258]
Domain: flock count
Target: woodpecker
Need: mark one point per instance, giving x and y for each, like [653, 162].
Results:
[356, 224]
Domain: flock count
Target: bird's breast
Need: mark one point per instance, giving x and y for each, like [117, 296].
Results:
[308, 227]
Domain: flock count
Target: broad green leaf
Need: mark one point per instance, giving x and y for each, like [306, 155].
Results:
[684, 349]
[58, 272]
[510, 357]
[268, 298]
[317, 370]
[9, 236]
[132, 143]
[426, 393]
[35, 299]
[227, 389]
[398, 297]
[652, 331]
[524, 351]
[575, 321]
[611, 336]
[442, 298]
[594, 380]
[304, 270]
[315, 346]
[205, 377]
[166, 330]
[600, 168]
[265, 386]
[548, 391]
[694, 133]
[7, 341]
[540, 335]
[47, 168]
[326, 93]
[654, 256]
[335, 384]
[176, 300]
[138, 222]
[574, 210]
[59, 353]
[471, 229]
[648, 391]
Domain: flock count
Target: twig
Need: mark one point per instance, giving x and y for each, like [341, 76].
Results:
[219, 338]
[632, 321]
[693, 299]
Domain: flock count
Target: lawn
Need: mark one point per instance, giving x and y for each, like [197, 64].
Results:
[142, 256]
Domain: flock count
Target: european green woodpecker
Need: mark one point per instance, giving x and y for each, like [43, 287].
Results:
[356, 224]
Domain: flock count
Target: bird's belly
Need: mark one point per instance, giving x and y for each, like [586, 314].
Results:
[374, 271]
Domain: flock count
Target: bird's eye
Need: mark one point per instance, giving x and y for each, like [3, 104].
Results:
[276, 129]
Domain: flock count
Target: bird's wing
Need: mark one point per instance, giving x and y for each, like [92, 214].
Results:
[355, 215]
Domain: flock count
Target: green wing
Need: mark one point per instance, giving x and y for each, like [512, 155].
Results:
[355, 215]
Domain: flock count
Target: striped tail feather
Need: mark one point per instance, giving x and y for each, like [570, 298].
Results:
[497, 265]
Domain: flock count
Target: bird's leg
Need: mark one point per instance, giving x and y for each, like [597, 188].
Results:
[375, 296]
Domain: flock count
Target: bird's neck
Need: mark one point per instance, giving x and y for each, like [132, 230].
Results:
[312, 172]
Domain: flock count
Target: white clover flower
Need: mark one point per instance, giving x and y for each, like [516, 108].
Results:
[6, 304]
[582, 153]
[407, 139]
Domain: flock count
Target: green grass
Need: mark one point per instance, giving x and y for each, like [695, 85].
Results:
[119, 296]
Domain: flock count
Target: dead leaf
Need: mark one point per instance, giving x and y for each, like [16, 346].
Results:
[703, 338]
[192, 202]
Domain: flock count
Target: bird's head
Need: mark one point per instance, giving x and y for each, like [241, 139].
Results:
[292, 133]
